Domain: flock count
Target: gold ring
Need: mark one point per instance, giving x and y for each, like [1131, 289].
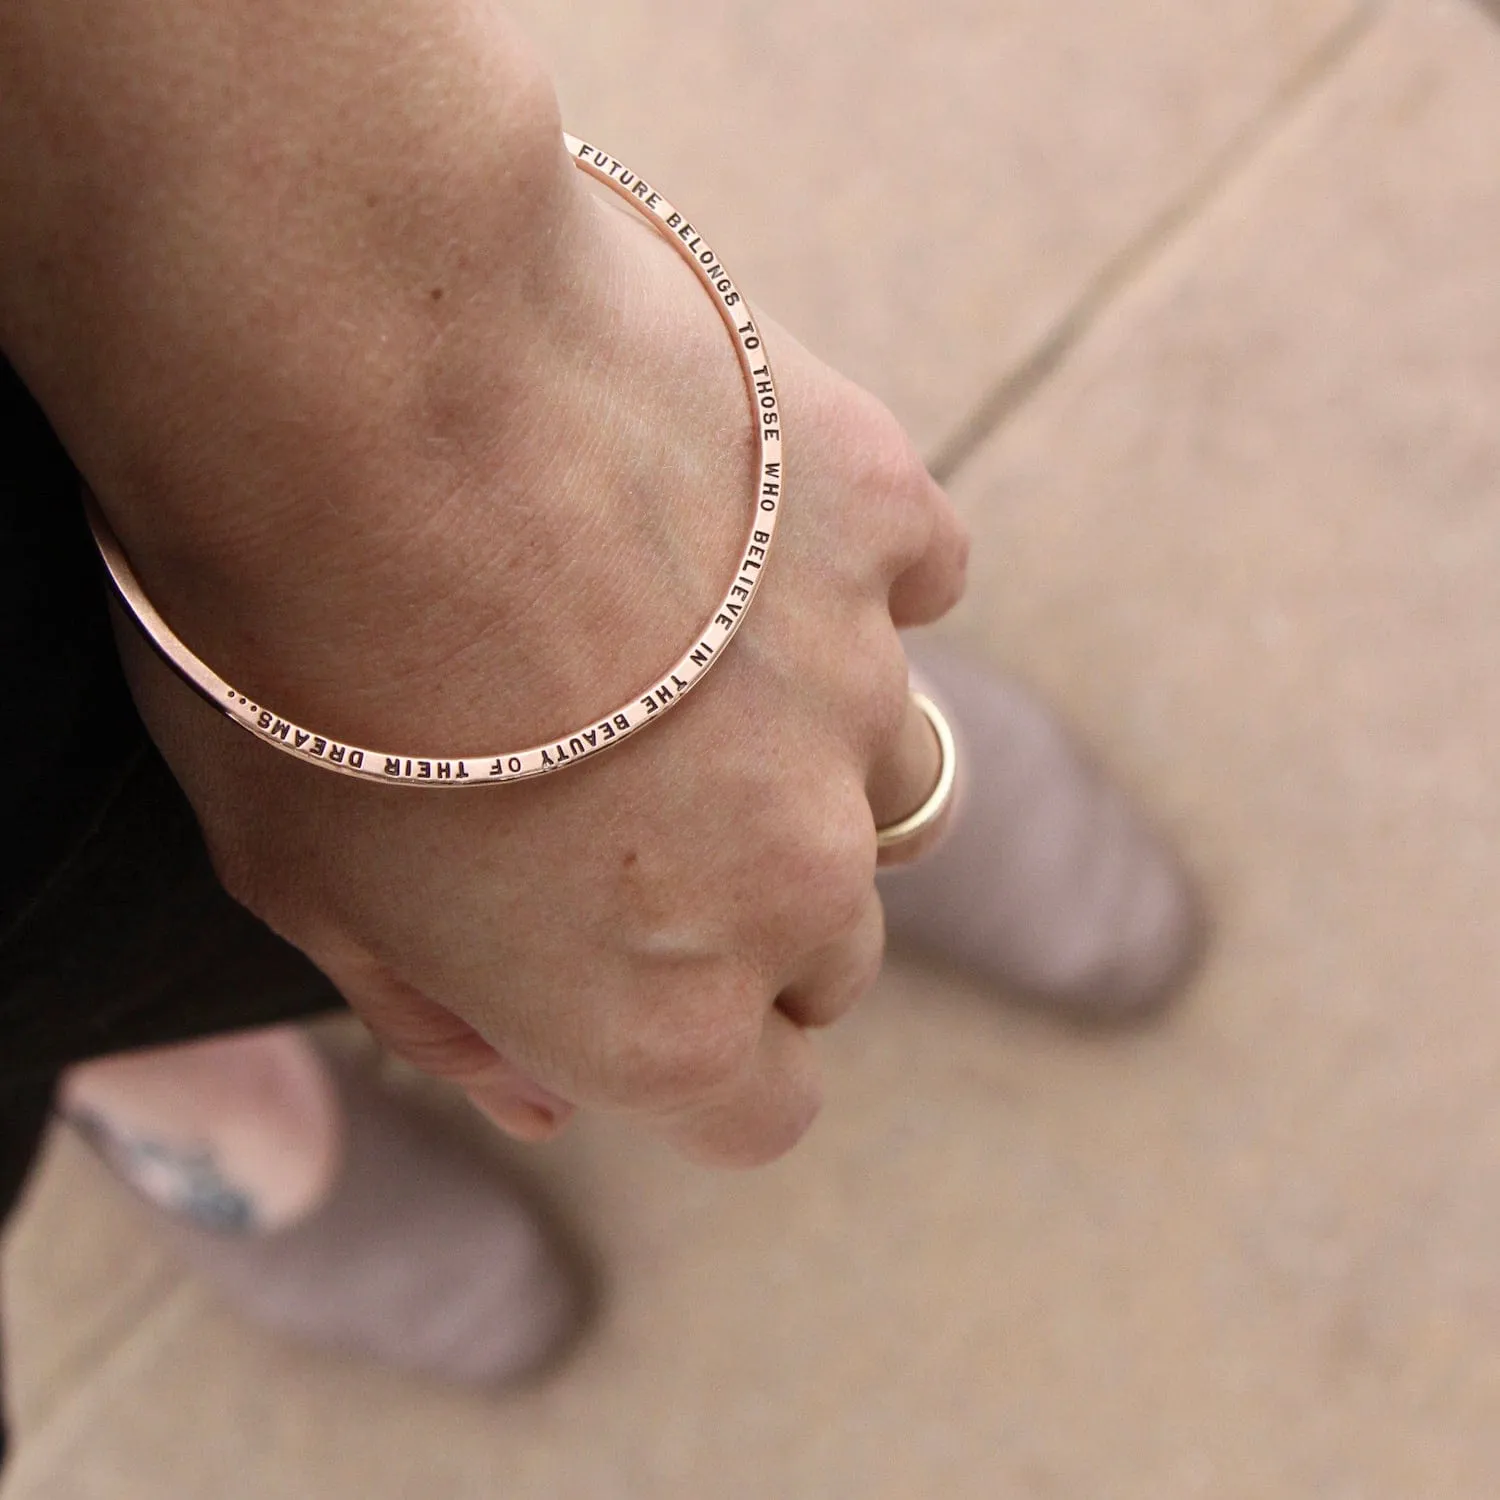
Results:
[894, 842]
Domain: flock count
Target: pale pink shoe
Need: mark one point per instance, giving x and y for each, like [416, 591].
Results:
[1051, 884]
[425, 1257]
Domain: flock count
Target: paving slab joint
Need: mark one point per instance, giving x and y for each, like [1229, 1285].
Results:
[1016, 388]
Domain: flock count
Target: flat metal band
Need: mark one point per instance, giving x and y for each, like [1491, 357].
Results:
[910, 828]
[650, 703]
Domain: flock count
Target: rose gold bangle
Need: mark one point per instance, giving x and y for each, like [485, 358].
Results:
[644, 707]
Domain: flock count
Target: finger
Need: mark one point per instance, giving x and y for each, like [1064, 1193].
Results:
[515, 1103]
[928, 588]
[436, 1042]
[758, 1114]
[833, 980]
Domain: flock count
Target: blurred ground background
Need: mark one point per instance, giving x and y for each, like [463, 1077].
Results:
[1196, 305]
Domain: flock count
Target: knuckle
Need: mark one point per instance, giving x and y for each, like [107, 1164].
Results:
[955, 574]
[878, 456]
[892, 498]
[865, 953]
[781, 1134]
[830, 871]
[690, 1047]
[890, 693]
[877, 682]
[892, 471]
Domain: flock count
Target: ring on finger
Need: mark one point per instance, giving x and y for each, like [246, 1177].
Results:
[912, 835]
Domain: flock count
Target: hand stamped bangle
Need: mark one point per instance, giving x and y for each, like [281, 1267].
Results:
[427, 769]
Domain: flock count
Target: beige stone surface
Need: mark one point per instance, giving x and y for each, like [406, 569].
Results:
[1248, 533]
[919, 192]
[78, 1277]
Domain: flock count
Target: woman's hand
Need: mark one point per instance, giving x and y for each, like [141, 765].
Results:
[465, 489]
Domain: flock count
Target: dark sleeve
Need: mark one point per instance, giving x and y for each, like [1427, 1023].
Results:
[114, 931]
[70, 727]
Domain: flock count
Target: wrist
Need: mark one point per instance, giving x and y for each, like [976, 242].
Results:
[301, 358]
[593, 525]
[227, 225]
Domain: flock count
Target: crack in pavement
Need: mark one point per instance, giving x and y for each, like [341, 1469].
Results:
[1016, 388]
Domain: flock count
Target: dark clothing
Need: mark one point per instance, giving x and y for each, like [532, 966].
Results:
[114, 933]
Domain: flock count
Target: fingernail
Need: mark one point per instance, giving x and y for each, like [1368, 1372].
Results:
[525, 1119]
